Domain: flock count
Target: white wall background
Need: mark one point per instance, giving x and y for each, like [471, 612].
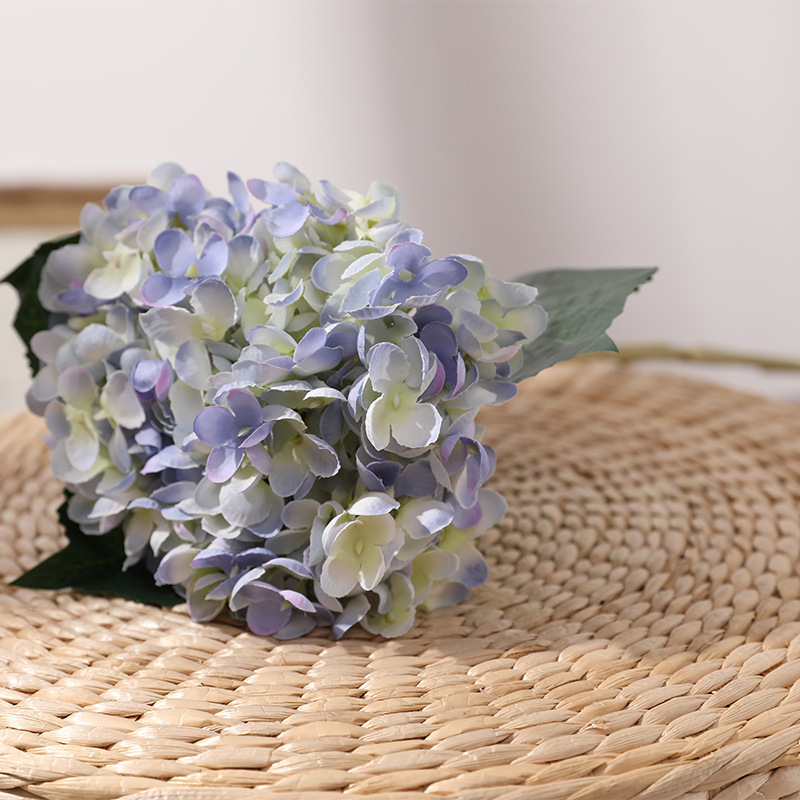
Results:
[532, 134]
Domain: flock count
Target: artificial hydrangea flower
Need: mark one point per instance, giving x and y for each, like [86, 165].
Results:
[274, 396]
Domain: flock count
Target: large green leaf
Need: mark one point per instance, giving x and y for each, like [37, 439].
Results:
[581, 305]
[93, 565]
[31, 317]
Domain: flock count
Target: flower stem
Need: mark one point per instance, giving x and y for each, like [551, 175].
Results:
[641, 352]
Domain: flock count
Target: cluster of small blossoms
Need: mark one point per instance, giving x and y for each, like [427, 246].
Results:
[274, 396]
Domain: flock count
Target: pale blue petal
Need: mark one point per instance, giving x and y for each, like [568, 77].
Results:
[299, 625]
[238, 192]
[447, 593]
[275, 194]
[249, 507]
[77, 387]
[148, 199]
[420, 518]
[169, 458]
[176, 567]
[280, 300]
[354, 611]
[287, 475]
[174, 252]
[163, 290]
[214, 257]
[187, 195]
[95, 343]
[358, 294]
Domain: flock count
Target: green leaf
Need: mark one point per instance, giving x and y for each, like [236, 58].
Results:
[93, 565]
[581, 305]
[31, 316]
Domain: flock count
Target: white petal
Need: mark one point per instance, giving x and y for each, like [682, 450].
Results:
[339, 575]
[215, 305]
[373, 503]
[121, 401]
[173, 326]
[193, 365]
[417, 428]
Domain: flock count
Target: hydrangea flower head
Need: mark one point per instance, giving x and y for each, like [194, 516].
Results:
[274, 397]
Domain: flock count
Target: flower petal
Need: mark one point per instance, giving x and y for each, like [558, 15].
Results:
[120, 400]
[216, 426]
[174, 252]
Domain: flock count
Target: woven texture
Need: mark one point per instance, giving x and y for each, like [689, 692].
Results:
[639, 636]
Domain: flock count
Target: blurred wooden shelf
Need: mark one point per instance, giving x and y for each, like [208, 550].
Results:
[46, 206]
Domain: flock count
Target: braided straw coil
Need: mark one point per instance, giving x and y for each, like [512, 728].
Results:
[638, 638]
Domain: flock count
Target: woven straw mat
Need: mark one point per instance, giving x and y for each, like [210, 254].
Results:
[639, 635]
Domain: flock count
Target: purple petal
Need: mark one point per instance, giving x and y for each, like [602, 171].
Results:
[444, 272]
[428, 314]
[378, 475]
[437, 384]
[406, 256]
[416, 480]
[216, 425]
[268, 616]
[300, 624]
[254, 557]
[331, 422]
[221, 559]
[473, 570]
[245, 408]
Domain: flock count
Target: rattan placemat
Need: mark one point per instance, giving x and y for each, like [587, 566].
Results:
[639, 636]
